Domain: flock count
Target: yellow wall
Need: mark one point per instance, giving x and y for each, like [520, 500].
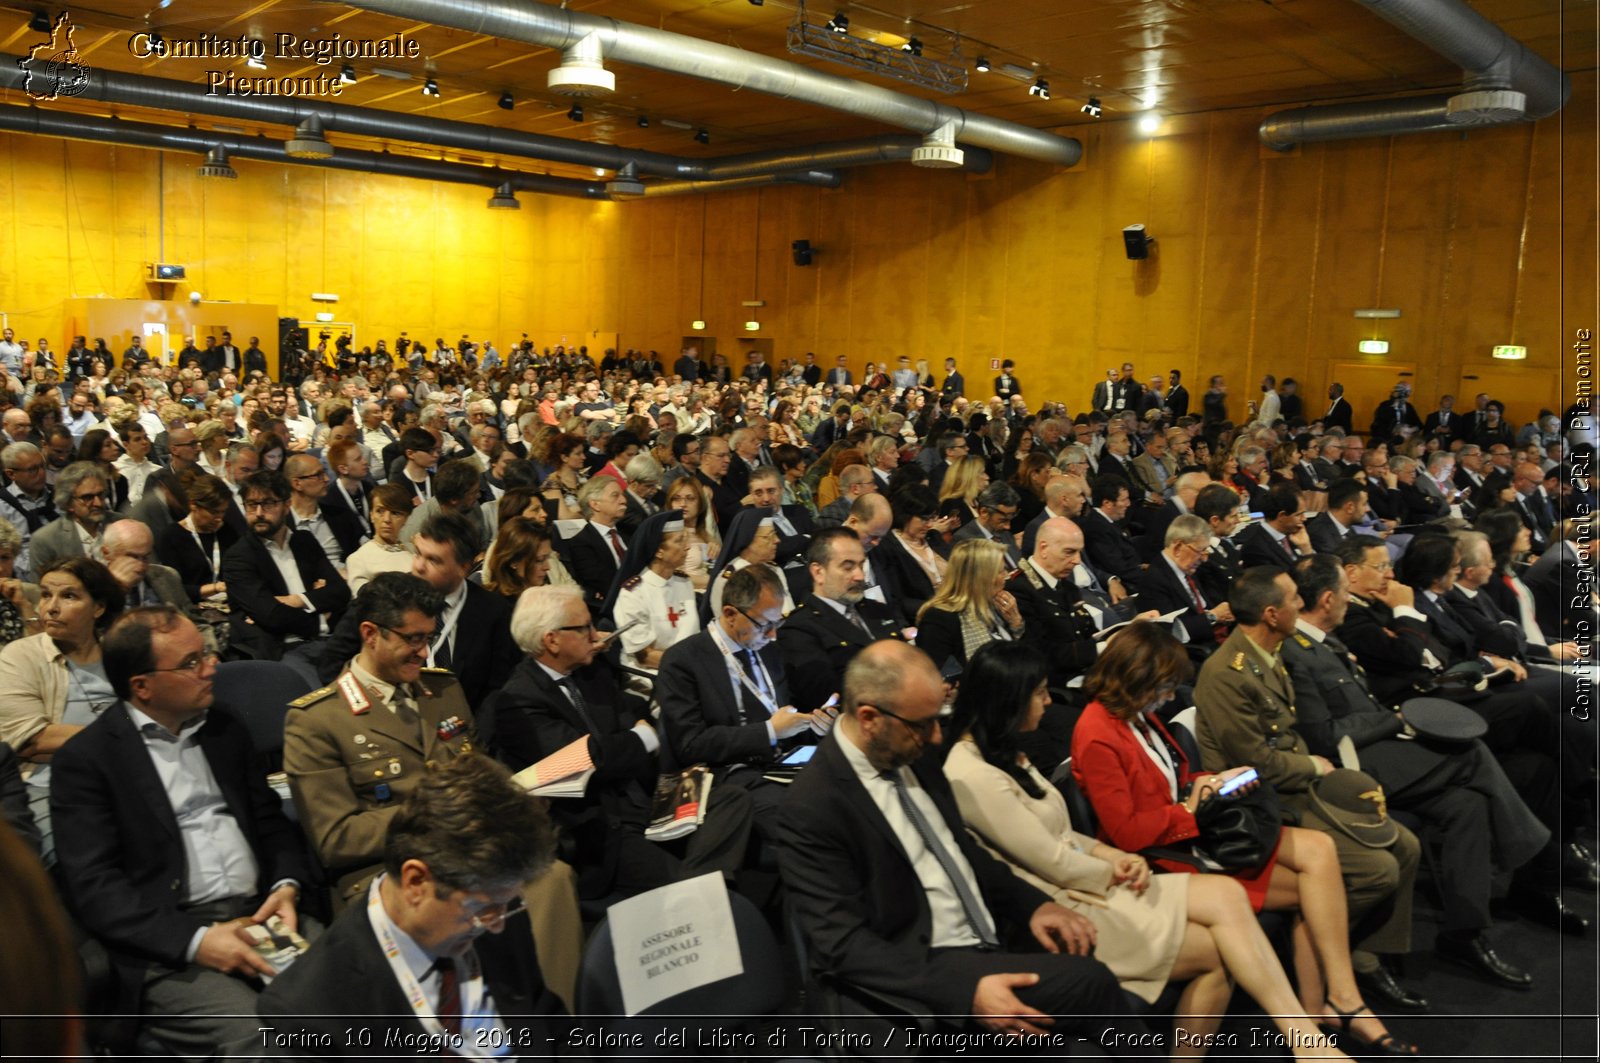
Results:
[1480, 238]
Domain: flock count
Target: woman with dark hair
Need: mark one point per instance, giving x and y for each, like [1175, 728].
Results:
[194, 545]
[271, 449]
[909, 561]
[523, 556]
[1509, 541]
[1031, 474]
[564, 453]
[1151, 930]
[1144, 794]
[1495, 493]
[102, 448]
[52, 685]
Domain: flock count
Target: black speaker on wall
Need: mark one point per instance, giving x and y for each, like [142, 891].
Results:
[802, 252]
[1135, 242]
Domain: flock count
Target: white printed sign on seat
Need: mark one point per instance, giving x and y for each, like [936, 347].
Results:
[673, 939]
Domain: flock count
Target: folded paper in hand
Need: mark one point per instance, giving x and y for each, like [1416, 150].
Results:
[564, 773]
[1164, 618]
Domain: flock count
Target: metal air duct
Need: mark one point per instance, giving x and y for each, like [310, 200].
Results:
[624, 42]
[1503, 81]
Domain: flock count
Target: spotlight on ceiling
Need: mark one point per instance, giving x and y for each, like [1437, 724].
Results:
[507, 101]
[757, 3]
[257, 51]
[1092, 108]
[430, 88]
[839, 23]
[1150, 124]
[504, 198]
[217, 165]
[40, 22]
[157, 42]
[1040, 88]
[913, 46]
[702, 137]
[982, 65]
[644, 121]
[347, 74]
[308, 141]
[576, 114]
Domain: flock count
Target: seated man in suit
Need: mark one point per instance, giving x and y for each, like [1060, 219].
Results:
[1347, 507]
[285, 594]
[996, 506]
[1107, 542]
[1279, 537]
[894, 895]
[793, 524]
[837, 621]
[127, 549]
[354, 750]
[1218, 505]
[474, 637]
[335, 531]
[1170, 585]
[723, 698]
[413, 961]
[1466, 803]
[596, 551]
[1416, 505]
[84, 502]
[170, 840]
[559, 694]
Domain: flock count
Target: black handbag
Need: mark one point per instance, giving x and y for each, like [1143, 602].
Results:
[1239, 832]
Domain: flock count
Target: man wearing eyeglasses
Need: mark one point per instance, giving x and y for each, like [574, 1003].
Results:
[929, 915]
[308, 489]
[170, 842]
[724, 698]
[280, 580]
[437, 955]
[81, 499]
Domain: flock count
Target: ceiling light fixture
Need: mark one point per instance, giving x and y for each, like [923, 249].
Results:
[982, 65]
[913, 46]
[347, 74]
[1040, 88]
[256, 62]
[1150, 124]
[430, 88]
[702, 137]
[576, 114]
[1092, 108]
[507, 101]
[504, 198]
[217, 165]
[839, 23]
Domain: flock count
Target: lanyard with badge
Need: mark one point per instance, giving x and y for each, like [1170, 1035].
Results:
[768, 701]
[477, 1013]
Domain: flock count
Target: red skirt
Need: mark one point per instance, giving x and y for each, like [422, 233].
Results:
[1254, 881]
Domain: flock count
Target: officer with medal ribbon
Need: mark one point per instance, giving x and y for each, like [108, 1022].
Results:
[354, 750]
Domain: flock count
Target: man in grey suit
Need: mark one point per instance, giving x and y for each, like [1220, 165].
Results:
[996, 505]
[82, 499]
[126, 548]
[1465, 801]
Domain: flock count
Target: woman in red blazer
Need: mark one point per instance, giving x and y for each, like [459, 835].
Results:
[1144, 794]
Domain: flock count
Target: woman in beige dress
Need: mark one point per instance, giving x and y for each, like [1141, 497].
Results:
[1149, 930]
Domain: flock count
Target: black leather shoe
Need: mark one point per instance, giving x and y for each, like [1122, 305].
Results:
[1578, 868]
[1548, 909]
[1477, 954]
[1382, 990]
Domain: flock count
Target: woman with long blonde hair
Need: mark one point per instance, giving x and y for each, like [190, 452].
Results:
[971, 608]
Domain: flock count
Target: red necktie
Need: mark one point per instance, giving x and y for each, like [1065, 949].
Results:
[616, 544]
[1218, 631]
[449, 996]
[1288, 547]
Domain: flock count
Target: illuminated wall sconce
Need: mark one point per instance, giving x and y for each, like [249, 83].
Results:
[1374, 346]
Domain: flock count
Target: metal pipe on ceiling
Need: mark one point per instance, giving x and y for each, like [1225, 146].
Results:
[1503, 81]
[190, 99]
[676, 53]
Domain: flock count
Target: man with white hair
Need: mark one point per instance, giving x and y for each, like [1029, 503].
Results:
[127, 548]
[563, 691]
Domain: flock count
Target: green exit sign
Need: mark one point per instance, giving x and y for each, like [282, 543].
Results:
[1510, 352]
[1374, 346]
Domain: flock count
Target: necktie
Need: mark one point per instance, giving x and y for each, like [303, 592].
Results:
[857, 619]
[405, 710]
[1218, 631]
[1288, 547]
[570, 685]
[441, 651]
[977, 915]
[616, 544]
[449, 995]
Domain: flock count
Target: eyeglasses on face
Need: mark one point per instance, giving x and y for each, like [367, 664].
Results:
[763, 626]
[193, 664]
[414, 639]
[922, 728]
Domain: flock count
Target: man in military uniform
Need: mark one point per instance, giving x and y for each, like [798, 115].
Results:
[354, 750]
[1468, 807]
[834, 623]
[1246, 715]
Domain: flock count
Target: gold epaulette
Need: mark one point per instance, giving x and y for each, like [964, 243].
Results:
[311, 698]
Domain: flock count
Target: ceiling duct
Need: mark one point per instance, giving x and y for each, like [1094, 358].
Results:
[189, 99]
[626, 184]
[624, 42]
[217, 165]
[938, 150]
[1503, 81]
[582, 71]
[504, 198]
[308, 141]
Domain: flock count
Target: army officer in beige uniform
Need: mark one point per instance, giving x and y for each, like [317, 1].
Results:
[354, 750]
